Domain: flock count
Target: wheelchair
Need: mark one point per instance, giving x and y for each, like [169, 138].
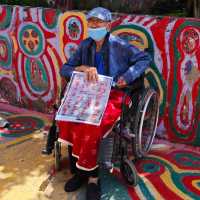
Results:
[132, 135]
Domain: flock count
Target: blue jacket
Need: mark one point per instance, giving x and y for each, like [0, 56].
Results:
[120, 58]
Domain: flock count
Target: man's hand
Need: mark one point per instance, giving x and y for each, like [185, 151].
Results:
[81, 68]
[121, 83]
[91, 72]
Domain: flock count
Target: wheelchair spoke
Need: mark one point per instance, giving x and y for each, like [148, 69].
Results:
[148, 125]
[145, 122]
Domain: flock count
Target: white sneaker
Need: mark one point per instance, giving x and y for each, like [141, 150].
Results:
[3, 122]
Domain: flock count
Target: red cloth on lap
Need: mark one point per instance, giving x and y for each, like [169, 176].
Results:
[85, 138]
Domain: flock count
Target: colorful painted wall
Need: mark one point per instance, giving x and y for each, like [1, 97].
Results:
[35, 42]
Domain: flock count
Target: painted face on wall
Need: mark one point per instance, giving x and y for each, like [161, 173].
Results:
[190, 40]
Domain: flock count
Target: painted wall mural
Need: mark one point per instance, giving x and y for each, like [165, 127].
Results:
[35, 42]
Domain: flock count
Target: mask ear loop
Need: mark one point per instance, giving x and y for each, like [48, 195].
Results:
[108, 26]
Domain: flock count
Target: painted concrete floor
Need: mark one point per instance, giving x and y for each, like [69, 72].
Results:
[171, 171]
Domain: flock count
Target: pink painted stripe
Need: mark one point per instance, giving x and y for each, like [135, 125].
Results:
[10, 108]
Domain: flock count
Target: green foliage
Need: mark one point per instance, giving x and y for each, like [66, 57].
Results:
[150, 7]
[32, 3]
[169, 7]
[113, 5]
[155, 7]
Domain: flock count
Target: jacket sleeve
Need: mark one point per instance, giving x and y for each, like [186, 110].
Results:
[74, 61]
[138, 62]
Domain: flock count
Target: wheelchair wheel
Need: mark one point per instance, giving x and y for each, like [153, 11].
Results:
[57, 151]
[129, 172]
[145, 122]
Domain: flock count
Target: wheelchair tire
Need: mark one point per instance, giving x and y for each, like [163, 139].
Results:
[57, 154]
[129, 172]
[148, 105]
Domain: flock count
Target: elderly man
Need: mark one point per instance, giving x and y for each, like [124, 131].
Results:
[101, 53]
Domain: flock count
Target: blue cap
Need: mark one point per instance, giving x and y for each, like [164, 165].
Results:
[100, 13]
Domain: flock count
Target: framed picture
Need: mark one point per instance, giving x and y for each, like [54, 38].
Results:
[85, 102]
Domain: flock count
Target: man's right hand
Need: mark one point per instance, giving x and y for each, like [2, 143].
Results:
[81, 68]
[91, 72]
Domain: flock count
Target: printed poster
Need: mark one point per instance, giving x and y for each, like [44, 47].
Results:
[85, 102]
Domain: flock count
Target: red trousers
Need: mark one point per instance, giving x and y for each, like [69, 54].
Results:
[85, 138]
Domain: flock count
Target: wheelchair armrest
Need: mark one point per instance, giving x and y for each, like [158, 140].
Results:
[136, 85]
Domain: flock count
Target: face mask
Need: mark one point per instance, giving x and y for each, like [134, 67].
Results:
[97, 34]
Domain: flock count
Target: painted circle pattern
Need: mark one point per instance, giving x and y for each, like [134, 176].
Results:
[31, 40]
[5, 16]
[73, 28]
[22, 125]
[5, 53]
[36, 75]
[190, 40]
[50, 17]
